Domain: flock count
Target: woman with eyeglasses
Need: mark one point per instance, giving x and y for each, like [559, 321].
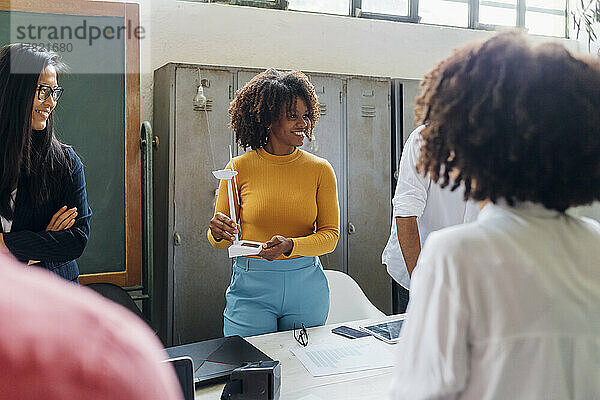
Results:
[43, 202]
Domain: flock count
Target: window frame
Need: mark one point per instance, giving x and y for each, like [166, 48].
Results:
[412, 17]
[355, 10]
[473, 14]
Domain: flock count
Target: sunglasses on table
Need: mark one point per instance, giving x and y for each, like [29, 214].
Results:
[45, 91]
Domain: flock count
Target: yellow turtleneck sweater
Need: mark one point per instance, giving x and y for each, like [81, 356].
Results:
[294, 196]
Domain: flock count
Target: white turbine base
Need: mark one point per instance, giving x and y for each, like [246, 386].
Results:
[244, 248]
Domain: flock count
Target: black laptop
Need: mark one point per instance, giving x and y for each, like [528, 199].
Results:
[215, 359]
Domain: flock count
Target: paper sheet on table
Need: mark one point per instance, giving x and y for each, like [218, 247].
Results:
[310, 397]
[339, 358]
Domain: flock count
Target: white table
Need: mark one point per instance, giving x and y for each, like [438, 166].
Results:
[297, 382]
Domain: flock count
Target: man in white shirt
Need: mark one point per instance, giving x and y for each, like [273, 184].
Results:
[420, 207]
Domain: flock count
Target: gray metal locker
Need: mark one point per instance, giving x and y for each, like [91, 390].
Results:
[404, 92]
[330, 143]
[196, 274]
[369, 194]
[242, 77]
[353, 134]
[409, 89]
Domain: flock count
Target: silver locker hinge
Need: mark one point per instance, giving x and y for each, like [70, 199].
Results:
[177, 239]
[351, 228]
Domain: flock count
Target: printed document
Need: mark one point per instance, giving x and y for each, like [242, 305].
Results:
[349, 356]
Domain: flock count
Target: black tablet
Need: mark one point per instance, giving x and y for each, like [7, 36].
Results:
[184, 369]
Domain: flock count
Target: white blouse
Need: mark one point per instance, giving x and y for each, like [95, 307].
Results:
[7, 224]
[507, 307]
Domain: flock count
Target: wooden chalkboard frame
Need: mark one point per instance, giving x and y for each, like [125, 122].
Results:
[132, 276]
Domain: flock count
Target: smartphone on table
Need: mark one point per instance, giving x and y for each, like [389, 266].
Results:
[348, 332]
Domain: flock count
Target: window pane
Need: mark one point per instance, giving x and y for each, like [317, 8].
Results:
[498, 12]
[549, 4]
[444, 12]
[545, 24]
[330, 6]
[394, 7]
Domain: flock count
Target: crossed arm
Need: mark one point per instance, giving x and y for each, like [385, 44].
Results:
[64, 218]
[67, 232]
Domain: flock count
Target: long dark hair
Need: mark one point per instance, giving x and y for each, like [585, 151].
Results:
[37, 159]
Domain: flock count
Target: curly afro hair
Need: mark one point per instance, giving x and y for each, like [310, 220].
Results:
[259, 103]
[515, 122]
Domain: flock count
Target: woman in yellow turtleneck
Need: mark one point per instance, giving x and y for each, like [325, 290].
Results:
[288, 200]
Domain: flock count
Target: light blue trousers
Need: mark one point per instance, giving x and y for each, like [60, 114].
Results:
[270, 296]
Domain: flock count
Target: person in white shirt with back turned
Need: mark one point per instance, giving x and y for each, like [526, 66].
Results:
[507, 307]
[420, 207]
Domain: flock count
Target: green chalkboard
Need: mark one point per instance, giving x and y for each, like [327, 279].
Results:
[91, 117]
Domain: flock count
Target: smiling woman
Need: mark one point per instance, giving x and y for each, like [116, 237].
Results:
[48, 93]
[43, 201]
[287, 200]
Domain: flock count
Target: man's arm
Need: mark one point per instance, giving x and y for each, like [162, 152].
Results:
[410, 243]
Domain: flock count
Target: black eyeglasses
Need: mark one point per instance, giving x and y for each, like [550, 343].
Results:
[301, 336]
[45, 91]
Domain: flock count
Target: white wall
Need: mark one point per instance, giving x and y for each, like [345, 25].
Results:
[179, 31]
[244, 36]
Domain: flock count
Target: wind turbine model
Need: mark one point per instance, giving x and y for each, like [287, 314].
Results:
[238, 247]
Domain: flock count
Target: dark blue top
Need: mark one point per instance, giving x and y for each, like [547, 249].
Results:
[56, 250]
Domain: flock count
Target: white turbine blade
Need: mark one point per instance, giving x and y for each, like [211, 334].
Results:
[224, 174]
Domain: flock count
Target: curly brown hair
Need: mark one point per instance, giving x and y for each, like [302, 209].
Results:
[260, 102]
[514, 122]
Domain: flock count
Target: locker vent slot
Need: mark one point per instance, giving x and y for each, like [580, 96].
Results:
[323, 108]
[368, 111]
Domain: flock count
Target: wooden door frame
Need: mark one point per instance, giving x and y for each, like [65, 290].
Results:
[132, 276]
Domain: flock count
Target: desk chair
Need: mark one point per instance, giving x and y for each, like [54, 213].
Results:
[347, 301]
[119, 296]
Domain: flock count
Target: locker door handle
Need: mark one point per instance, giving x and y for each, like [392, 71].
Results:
[177, 239]
[351, 228]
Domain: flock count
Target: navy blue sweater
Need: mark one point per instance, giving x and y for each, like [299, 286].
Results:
[56, 250]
